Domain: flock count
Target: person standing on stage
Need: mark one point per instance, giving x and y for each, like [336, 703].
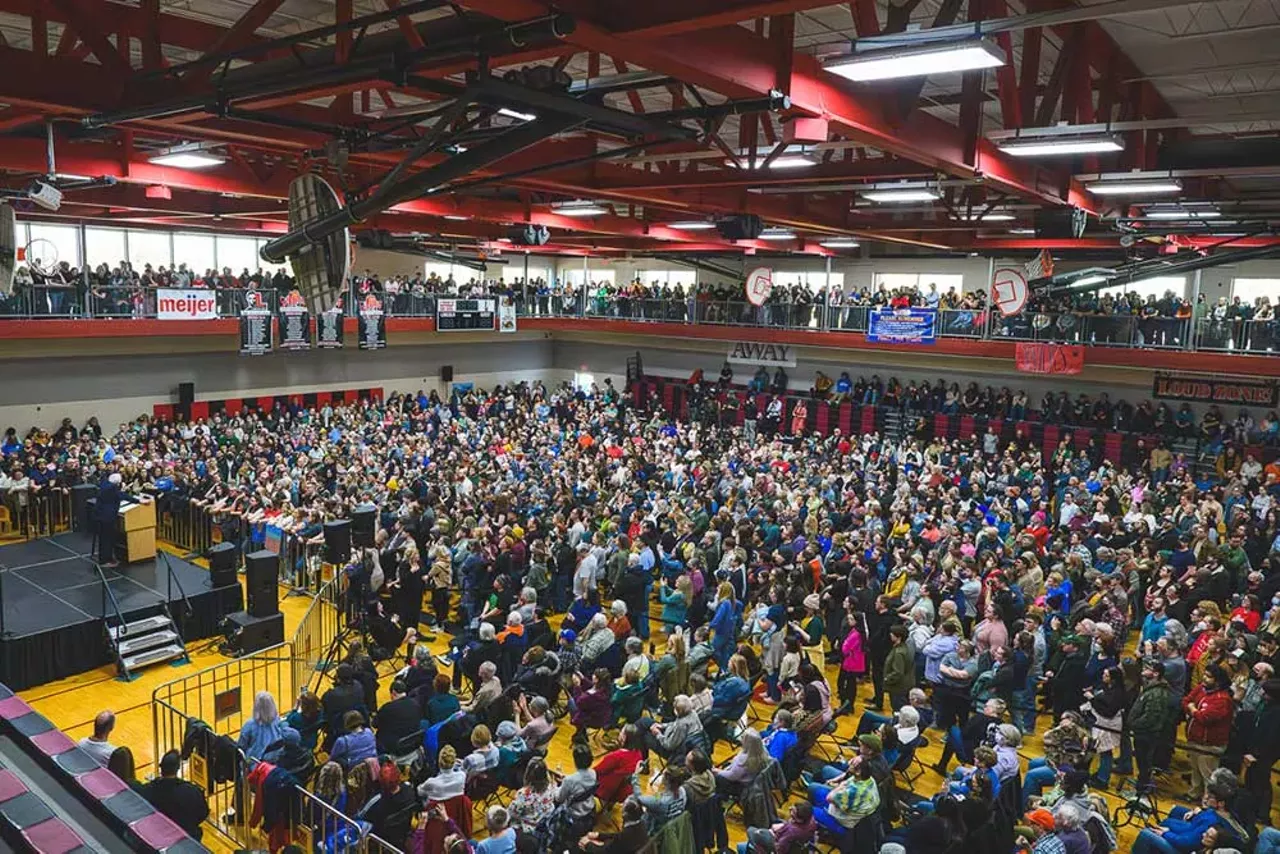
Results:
[108, 509]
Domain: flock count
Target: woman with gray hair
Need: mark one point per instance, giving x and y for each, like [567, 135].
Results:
[596, 641]
[1068, 836]
[264, 729]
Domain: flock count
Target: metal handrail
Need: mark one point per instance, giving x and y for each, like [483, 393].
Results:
[169, 597]
[108, 593]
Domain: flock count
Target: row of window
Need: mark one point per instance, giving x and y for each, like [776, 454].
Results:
[48, 244]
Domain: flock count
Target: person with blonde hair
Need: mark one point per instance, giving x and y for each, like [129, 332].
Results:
[449, 781]
[724, 624]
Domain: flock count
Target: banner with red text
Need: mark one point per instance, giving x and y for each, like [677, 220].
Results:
[186, 304]
[1038, 358]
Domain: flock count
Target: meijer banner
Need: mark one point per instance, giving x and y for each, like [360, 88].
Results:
[193, 304]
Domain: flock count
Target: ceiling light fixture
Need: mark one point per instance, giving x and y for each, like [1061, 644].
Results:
[190, 156]
[786, 160]
[579, 208]
[1023, 231]
[903, 194]
[1049, 146]
[894, 63]
[777, 234]
[456, 217]
[1172, 214]
[839, 244]
[516, 114]
[692, 225]
[994, 216]
[1135, 187]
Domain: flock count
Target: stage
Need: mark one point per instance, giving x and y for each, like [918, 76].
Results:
[53, 605]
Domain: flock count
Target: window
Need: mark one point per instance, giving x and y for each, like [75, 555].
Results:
[50, 245]
[442, 271]
[684, 278]
[104, 246]
[267, 266]
[238, 253]
[1250, 290]
[812, 279]
[583, 382]
[149, 247]
[1156, 286]
[573, 276]
[920, 281]
[194, 250]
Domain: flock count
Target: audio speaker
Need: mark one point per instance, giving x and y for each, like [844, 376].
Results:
[186, 393]
[222, 564]
[446, 373]
[740, 227]
[337, 541]
[256, 633]
[528, 235]
[1060, 223]
[363, 521]
[261, 570]
[81, 495]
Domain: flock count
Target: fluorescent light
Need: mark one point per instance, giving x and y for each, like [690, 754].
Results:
[1089, 280]
[1023, 231]
[907, 194]
[994, 216]
[456, 217]
[839, 244]
[1121, 187]
[1182, 214]
[1048, 146]
[516, 114]
[782, 161]
[692, 225]
[777, 234]
[187, 159]
[579, 209]
[895, 63]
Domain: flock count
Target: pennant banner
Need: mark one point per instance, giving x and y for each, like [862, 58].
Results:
[1038, 358]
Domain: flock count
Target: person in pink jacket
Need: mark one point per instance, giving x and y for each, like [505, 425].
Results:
[853, 659]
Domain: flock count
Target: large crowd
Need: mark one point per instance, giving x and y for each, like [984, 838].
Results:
[1127, 616]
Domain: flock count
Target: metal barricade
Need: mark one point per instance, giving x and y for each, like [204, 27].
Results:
[319, 827]
[40, 511]
[316, 632]
[376, 845]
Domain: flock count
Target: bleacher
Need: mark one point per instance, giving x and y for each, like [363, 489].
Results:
[55, 799]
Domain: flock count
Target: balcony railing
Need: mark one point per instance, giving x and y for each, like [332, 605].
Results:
[1257, 337]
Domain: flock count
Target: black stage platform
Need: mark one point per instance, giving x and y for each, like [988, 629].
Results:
[53, 606]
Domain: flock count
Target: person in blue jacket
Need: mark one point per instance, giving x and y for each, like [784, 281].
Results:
[724, 625]
[1184, 829]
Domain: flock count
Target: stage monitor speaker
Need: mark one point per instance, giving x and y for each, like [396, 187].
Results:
[261, 570]
[186, 394]
[740, 227]
[222, 564]
[337, 541]
[446, 373]
[1060, 223]
[363, 522]
[252, 634]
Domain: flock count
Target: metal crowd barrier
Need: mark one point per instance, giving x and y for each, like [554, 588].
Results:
[320, 625]
[320, 827]
[34, 513]
[188, 524]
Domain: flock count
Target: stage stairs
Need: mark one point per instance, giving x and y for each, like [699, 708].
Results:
[141, 643]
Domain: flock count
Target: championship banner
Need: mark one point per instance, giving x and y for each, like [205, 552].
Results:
[373, 324]
[506, 315]
[769, 355]
[1209, 390]
[186, 304]
[295, 322]
[256, 326]
[903, 326]
[329, 330]
[1039, 358]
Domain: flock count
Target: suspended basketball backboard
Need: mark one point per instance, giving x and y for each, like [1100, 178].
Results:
[321, 268]
[8, 248]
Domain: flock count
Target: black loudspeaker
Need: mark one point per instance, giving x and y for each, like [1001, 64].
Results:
[222, 564]
[446, 373]
[252, 634]
[186, 394]
[261, 570]
[363, 520]
[337, 541]
[740, 227]
[1060, 223]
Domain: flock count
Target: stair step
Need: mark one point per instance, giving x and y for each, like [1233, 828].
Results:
[136, 643]
[141, 627]
[154, 656]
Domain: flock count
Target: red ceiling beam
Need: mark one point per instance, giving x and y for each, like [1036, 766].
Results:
[828, 173]
[410, 33]
[240, 35]
[87, 24]
[149, 35]
[866, 19]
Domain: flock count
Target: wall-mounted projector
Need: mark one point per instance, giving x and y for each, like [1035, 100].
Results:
[45, 195]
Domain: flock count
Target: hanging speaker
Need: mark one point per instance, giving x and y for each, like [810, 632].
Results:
[446, 373]
[1060, 223]
[321, 269]
[740, 227]
[528, 235]
[186, 393]
[8, 248]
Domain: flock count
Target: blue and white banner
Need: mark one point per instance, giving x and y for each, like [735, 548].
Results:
[903, 326]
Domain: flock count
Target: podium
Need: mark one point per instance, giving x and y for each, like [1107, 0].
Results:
[137, 524]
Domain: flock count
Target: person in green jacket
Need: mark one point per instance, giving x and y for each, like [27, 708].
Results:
[899, 667]
[1149, 717]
